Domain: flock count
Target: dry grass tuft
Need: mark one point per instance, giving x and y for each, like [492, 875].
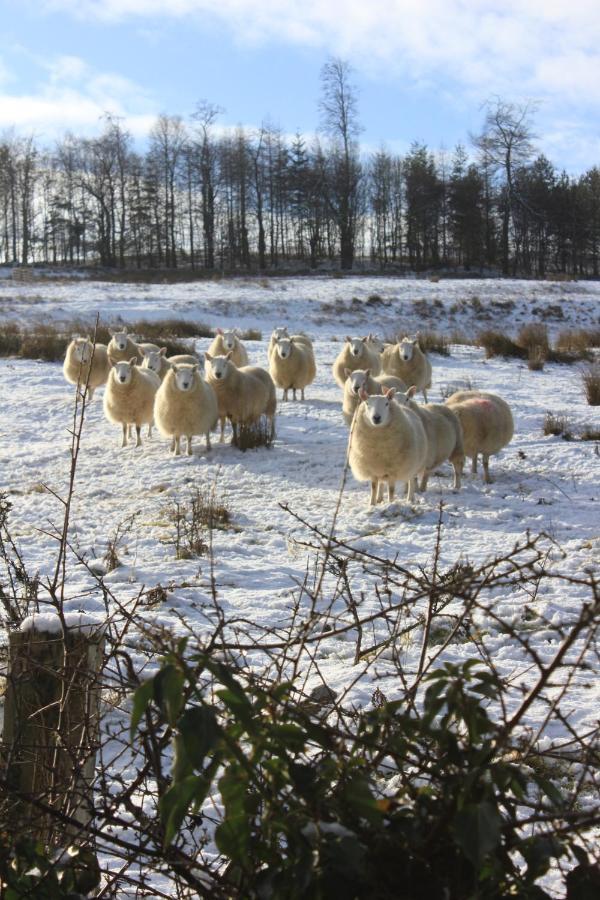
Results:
[590, 377]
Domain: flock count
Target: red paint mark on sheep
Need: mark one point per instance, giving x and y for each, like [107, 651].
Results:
[481, 402]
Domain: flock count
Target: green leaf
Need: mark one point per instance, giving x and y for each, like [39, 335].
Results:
[550, 790]
[168, 692]
[359, 798]
[141, 700]
[232, 837]
[175, 803]
[199, 732]
[477, 830]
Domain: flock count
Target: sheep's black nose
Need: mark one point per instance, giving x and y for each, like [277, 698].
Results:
[376, 419]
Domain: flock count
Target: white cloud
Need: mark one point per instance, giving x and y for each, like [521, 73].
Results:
[70, 95]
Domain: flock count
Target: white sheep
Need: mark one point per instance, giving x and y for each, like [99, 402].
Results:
[487, 425]
[362, 380]
[283, 332]
[444, 436]
[229, 342]
[387, 444]
[185, 405]
[86, 363]
[406, 360]
[356, 354]
[243, 395]
[121, 348]
[157, 361]
[292, 366]
[129, 397]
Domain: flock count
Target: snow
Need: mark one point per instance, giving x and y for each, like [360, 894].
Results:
[541, 483]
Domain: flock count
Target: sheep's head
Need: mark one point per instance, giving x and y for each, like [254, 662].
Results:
[123, 371]
[375, 343]
[284, 347]
[358, 379]
[82, 350]
[120, 339]
[378, 407]
[279, 333]
[185, 376]
[407, 348]
[229, 339]
[219, 366]
[403, 399]
[153, 360]
[357, 346]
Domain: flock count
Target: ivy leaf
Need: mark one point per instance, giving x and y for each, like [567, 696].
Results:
[199, 732]
[477, 831]
[175, 803]
[141, 700]
[168, 692]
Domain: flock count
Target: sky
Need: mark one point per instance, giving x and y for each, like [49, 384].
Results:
[422, 68]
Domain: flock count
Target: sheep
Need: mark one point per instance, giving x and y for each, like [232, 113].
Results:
[129, 397]
[185, 405]
[356, 354]
[121, 348]
[157, 362]
[407, 361]
[282, 332]
[292, 365]
[86, 363]
[229, 342]
[243, 395]
[487, 425]
[444, 436]
[361, 379]
[387, 443]
[376, 343]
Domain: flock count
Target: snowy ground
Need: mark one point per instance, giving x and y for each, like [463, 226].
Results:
[540, 483]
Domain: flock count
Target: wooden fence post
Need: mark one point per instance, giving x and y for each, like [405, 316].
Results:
[51, 731]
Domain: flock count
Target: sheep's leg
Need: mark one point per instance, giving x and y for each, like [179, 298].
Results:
[189, 445]
[284, 395]
[172, 447]
[457, 474]
[90, 393]
[294, 393]
[391, 490]
[208, 444]
[380, 492]
[124, 441]
[130, 433]
[234, 439]
[150, 429]
[425, 394]
[177, 442]
[474, 464]
[138, 435]
[373, 493]
[222, 421]
[302, 394]
[424, 480]
[486, 467]
[410, 494]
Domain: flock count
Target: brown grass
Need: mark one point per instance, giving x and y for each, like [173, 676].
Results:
[257, 434]
[495, 343]
[559, 426]
[590, 377]
[434, 342]
[578, 341]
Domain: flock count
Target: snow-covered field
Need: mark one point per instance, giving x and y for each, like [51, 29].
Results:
[540, 483]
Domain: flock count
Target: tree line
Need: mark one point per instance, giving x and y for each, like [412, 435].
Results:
[257, 200]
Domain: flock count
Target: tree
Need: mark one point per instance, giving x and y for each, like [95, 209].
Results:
[339, 112]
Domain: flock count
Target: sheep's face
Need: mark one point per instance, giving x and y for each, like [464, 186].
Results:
[377, 345]
[407, 348]
[378, 409]
[228, 340]
[358, 380]
[356, 346]
[82, 351]
[403, 399]
[123, 372]
[120, 338]
[279, 333]
[219, 367]
[284, 348]
[153, 361]
[184, 377]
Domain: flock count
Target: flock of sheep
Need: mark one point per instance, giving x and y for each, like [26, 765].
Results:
[392, 437]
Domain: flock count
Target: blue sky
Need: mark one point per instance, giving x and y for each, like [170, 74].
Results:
[423, 69]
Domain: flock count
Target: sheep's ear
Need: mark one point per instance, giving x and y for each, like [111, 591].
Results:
[229, 355]
[162, 351]
[365, 338]
[411, 391]
[89, 339]
[219, 331]
[389, 393]
[291, 340]
[368, 372]
[348, 339]
[237, 332]
[195, 367]
[201, 358]
[347, 373]
[112, 361]
[174, 367]
[133, 361]
[142, 351]
[208, 356]
[363, 394]
[125, 331]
